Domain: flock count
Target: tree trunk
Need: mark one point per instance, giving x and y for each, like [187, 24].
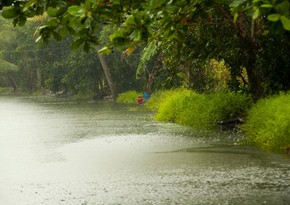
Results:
[108, 75]
[249, 47]
[151, 77]
[38, 75]
[11, 83]
[189, 77]
[255, 81]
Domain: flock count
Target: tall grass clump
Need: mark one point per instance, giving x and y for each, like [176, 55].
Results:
[202, 111]
[159, 97]
[170, 104]
[129, 97]
[206, 110]
[268, 123]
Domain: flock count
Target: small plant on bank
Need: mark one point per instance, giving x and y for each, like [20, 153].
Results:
[268, 123]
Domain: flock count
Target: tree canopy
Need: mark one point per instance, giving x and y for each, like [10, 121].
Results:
[55, 67]
[249, 25]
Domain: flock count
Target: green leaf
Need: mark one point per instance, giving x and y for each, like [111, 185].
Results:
[180, 36]
[157, 3]
[15, 22]
[52, 12]
[10, 12]
[285, 22]
[236, 15]
[86, 47]
[267, 6]
[76, 11]
[274, 17]
[76, 44]
[29, 13]
[56, 36]
[116, 2]
[130, 22]
[63, 31]
[283, 8]
[52, 23]
[93, 39]
[169, 34]
[149, 51]
[172, 9]
[136, 35]
[117, 34]
[22, 20]
[71, 30]
[88, 4]
[105, 50]
[256, 14]
[29, 4]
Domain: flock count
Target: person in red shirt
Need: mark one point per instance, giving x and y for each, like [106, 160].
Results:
[140, 100]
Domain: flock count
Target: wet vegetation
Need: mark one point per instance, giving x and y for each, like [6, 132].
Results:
[202, 111]
[268, 123]
[265, 123]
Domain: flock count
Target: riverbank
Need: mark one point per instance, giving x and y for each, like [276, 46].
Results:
[265, 123]
[49, 95]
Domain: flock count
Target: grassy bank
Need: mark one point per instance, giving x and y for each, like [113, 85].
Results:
[201, 111]
[6, 91]
[268, 124]
[186, 107]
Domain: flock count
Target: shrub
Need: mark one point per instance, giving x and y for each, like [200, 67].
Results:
[201, 110]
[205, 110]
[268, 123]
[156, 99]
[170, 104]
[129, 97]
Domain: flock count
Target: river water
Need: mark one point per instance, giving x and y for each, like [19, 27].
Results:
[56, 152]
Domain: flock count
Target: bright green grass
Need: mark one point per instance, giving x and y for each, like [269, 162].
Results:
[201, 111]
[268, 123]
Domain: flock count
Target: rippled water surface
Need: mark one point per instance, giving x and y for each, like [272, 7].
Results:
[54, 152]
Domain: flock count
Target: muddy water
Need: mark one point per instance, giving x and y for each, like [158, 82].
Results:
[54, 152]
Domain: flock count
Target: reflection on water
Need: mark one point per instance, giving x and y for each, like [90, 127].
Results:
[54, 152]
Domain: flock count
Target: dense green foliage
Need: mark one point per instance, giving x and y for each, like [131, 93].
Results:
[28, 68]
[268, 123]
[129, 97]
[185, 34]
[201, 110]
